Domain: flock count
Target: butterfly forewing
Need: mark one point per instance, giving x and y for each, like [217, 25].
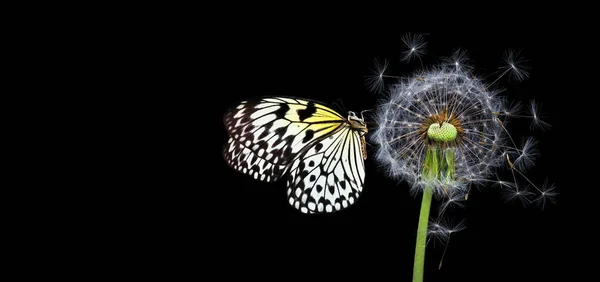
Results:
[277, 129]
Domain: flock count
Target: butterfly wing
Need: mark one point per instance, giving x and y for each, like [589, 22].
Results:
[243, 159]
[267, 134]
[330, 175]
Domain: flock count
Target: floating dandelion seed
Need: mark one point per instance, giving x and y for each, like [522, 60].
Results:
[517, 194]
[458, 60]
[441, 230]
[526, 156]
[415, 45]
[515, 66]
[444, 131]
[547, 195]
[536, 121]
[374, 80]
[450, 202]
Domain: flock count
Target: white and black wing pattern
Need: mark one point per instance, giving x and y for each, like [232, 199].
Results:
[330, 175]
[321, 152]
[244, 160]
[267, 134]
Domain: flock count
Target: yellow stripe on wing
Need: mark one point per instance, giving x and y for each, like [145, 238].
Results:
[315, 114]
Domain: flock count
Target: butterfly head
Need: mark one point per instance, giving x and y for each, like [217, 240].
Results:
[357, 123]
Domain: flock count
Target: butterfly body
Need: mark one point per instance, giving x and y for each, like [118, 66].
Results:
[320, 152]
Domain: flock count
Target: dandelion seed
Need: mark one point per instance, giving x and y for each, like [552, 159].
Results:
[527, 155]
[458, 60]
[450, 202]
[375, 79]
[441, 230]
[514, 194]
[437, 233]
[415, 45]
[536, 121]
[503, 183]
[515, 65]
[547, 195]
[513, 110]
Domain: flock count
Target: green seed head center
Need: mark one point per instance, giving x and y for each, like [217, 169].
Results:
[445, 132]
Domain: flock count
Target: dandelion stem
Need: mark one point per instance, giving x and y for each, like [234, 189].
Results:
[439, 166]
[422, 236]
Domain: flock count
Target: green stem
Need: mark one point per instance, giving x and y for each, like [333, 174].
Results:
[422, 236]
[439, 164]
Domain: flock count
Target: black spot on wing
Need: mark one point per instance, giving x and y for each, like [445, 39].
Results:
[331, 189]
[318, 147]
[262, 144]
[308, 112]
[341, 199]
[287, 152]
[249, 128]
[287, 140]
[308, 191]
[267, 129]
[281, 131]
[283, 109]
[249, 137]
[308, 135]
[246, 119]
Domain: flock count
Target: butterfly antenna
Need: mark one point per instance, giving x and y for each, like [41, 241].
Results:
[372, 123]
[362, 113]
[340, 104]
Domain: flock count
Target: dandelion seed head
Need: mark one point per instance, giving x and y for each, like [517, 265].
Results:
[445, 128]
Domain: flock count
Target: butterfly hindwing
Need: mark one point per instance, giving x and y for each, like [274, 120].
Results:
[329, 176]
[244, 160]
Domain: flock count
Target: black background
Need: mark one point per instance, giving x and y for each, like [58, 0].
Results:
[162, 200]
[328, 63]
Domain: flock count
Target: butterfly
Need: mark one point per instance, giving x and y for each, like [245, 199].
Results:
[320, 152]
